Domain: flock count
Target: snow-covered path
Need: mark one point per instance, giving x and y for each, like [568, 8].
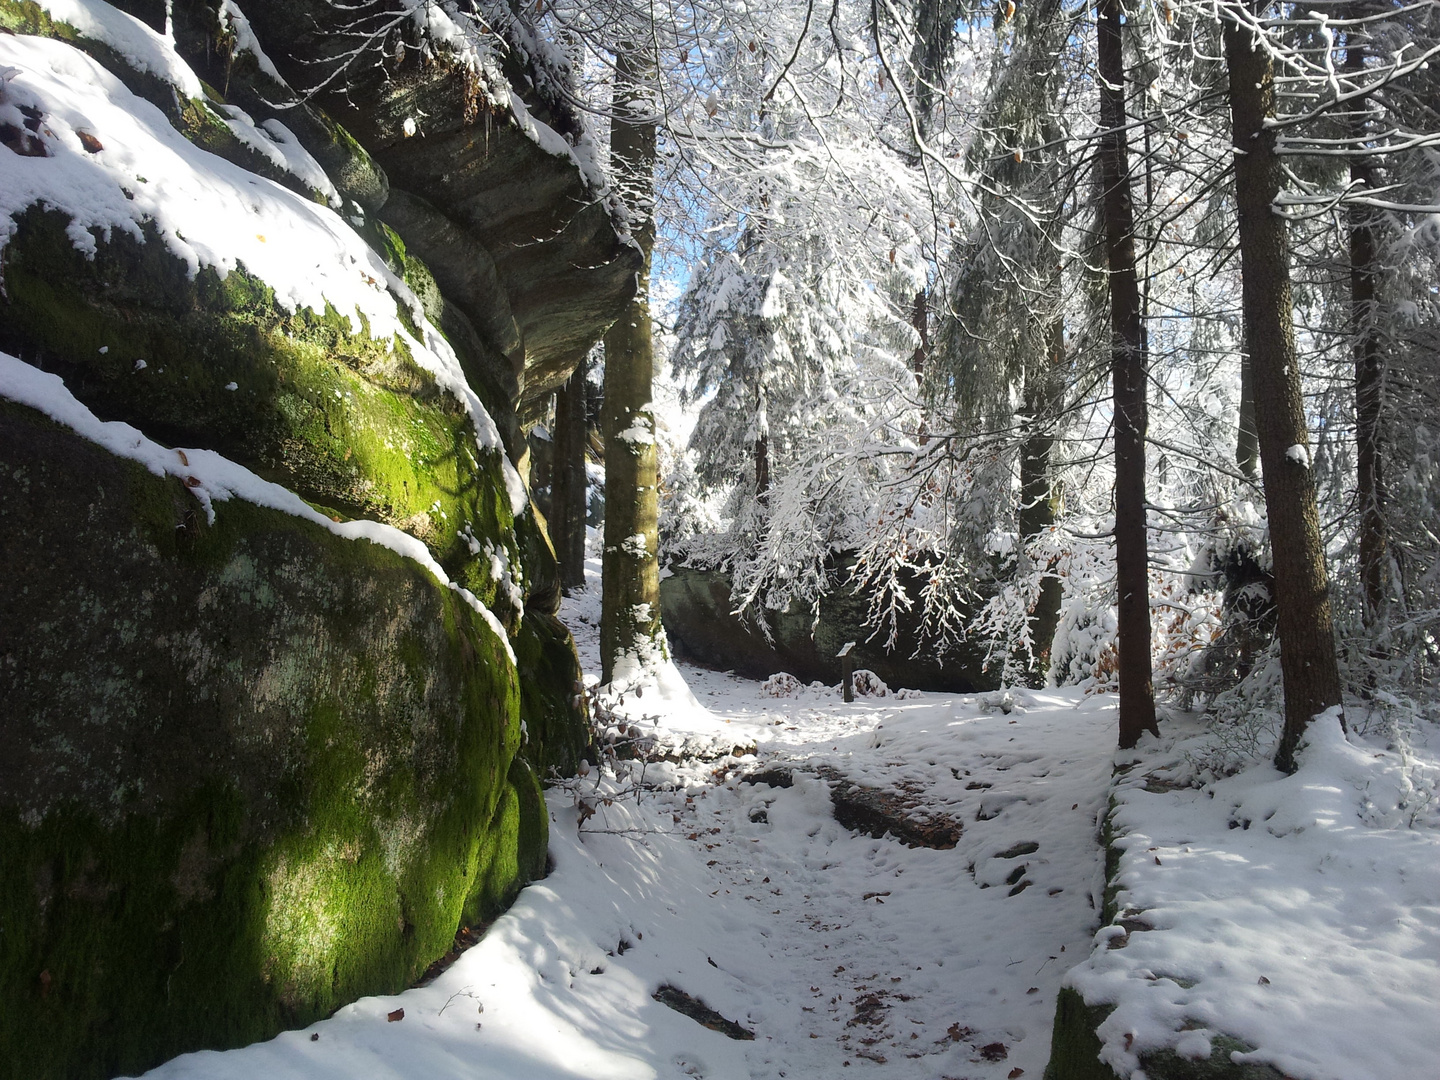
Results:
[908, 962]
[844, 954]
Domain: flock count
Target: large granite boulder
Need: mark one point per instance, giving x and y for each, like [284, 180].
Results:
[251, 769]
[701, 624]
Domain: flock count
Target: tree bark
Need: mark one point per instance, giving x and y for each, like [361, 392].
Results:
[1039, 499]
[1369, 380]
[1247, 439]
[1369, 373]
[568, 487]
[920, 320]
[1302, 588]
[630, 626]
[1127, 366]
[762, 470]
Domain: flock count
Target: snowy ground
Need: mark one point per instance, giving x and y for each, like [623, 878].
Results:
[841, 952]
[1299, 914]
[1313, 931]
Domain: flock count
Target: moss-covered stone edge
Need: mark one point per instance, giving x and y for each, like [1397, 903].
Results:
[1074, 1045]
[198, 119]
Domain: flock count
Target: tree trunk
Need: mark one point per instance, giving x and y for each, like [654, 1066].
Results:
[568, 488]
[1132, 583]
[630, 628]
[1369, 374]
[1369, 378]
[762, 470]
[1302, 589]
[920, 320]
[1039, 499]
[1247, 440]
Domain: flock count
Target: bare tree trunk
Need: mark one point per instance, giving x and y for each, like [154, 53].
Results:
[1039, 499]
[1132, 583]
[1369, 373]
[1302, 588]
[1247, 439]
[762, 469]
[1369, 379]
[920, 320]
[568, 486]
[630, 586]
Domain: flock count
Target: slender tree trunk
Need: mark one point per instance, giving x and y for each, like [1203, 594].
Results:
[568, 488]
[920, 320]
[1369, 378]
[630, 628]
[1247, 440]
[1369, 373]
[1137, 694]
[1302, 588]
[1039, 499]
[762, 469]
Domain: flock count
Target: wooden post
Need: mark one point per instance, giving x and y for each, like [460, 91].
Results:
[847, 670]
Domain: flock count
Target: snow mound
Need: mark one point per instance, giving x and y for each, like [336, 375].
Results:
[1297, 914]
[782, 684]
[868, 684]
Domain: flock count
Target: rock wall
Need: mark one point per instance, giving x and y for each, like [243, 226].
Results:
[699, 620]
[249, 769]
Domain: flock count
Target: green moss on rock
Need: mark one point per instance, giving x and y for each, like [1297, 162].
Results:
[552, 695]
[262, 770]
[1074, 1046]
[350, 423]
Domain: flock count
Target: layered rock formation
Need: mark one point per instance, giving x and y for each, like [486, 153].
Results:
[255, 763]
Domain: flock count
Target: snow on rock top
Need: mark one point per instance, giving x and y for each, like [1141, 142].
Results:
[207, 211]
[208, 476]
[552, 142]
[142, 48]
[246, 41]
[276, 143]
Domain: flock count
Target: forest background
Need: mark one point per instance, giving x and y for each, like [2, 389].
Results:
[1098, 337]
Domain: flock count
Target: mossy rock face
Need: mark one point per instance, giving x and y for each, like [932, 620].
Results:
[514, 849]
[552, 696]
[563, 268]
[249, 771]
[1074, 1046]
[351, 424]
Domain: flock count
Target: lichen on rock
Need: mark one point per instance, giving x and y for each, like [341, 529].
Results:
[250, 769]
[263, 769]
